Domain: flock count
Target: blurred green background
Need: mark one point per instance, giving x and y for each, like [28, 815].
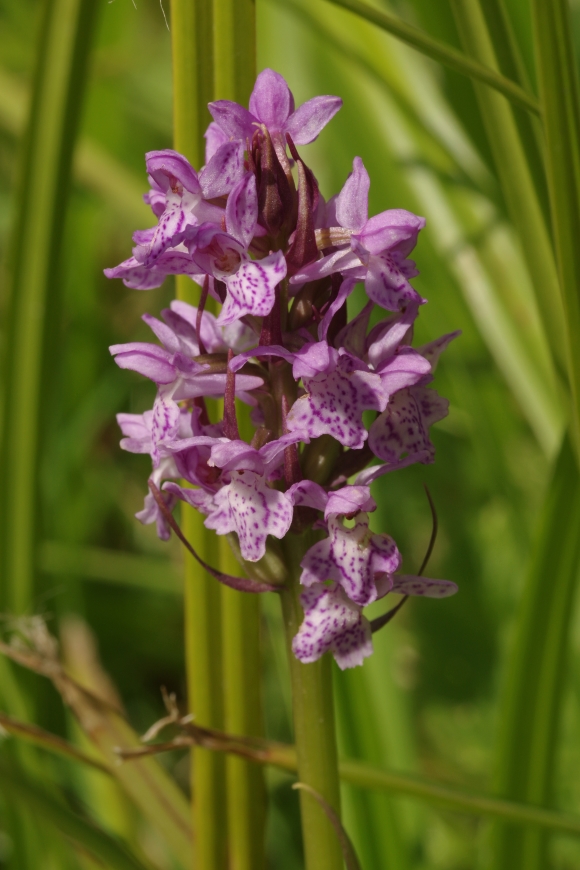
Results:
[427, 702]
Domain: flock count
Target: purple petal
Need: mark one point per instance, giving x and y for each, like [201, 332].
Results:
[271, 101]
[346, 262]
[332, 622]
[405, 369]
[313, 359]
[307, 493]
[309, 119]
[434, 349]
[352, 555]
[251, 288]
[168, 168]
[395, 228]
[386, 284]
[223, 171]
[235, 121]
[318, 565]
[214, 137]
[149, 360]
[353, 336]
[163, 332]
[242, 210]
[257, 511]
[403, 428]
[385, 555]
[352, 203]
[349, 500]
[165, 422]
[344, 292]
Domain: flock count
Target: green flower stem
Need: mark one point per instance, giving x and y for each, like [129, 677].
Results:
[193, 88]
[530, 719]
[203, 657]
[559, 98]
[235, 49]
[65, 38]
[514, 176]
[193, 75]
[314, 729]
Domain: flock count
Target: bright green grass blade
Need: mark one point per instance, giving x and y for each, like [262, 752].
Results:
[514, 176]
[530, 720]
[65, 40]
[47, 809]
[445, 54]
[194, 87]
[559, 96]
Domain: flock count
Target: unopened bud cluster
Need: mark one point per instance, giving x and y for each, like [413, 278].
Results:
[253, 231]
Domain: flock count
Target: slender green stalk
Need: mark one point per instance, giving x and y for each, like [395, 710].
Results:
[441, 52]
[193, 88]
[66, 34]
[559, 97]
[314, 732]
[514, 176]
[235, 49]
[533, 691]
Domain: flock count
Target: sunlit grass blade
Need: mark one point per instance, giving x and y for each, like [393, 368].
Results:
[445, 54]
[33, 292]
[47, 809]
[529, 725]
[560, 102]
[515, 178]
[194, 87]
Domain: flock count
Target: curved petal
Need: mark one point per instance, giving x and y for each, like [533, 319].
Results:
[257, 511]
[251, 290]
[168, 167]
[235, 121]
[223, 171]
[409, 584]
[242, 210]
[352, 203]
[309, 119]
[271, 101]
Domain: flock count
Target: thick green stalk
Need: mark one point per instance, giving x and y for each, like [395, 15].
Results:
[535, 680]
[242, 668]
[193, 74]
[514, 176]
[314, 731]
[559, 99]
[234, 76]
[65, 37]
[193, 88]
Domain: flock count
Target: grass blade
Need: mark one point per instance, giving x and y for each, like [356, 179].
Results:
[559, 97]
[441, 52]
[26, 792]
[58, 91]
[535, 679]
[515, 179]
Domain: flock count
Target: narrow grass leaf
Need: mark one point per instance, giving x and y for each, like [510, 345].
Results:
[441, 52]
[348, 851]
[529, 725]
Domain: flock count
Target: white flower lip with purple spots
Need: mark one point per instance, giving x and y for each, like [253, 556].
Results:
[330, 393]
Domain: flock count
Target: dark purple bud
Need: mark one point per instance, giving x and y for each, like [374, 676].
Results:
[303, 249]
[276, 199]
[230, 420]
[200, 310]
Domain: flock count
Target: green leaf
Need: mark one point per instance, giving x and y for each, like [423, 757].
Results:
[18, 787]
[529, 725]
[445, 54]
